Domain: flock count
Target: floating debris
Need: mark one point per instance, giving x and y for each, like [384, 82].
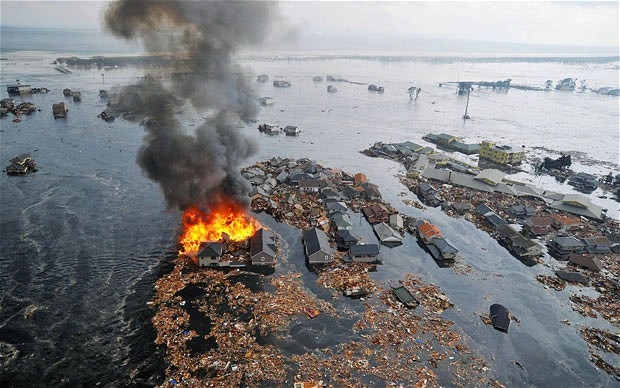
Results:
[21, 165]
[59, 110]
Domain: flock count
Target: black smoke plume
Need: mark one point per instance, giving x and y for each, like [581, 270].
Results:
[201, 168]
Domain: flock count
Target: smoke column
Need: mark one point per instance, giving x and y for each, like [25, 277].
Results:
[198, 169]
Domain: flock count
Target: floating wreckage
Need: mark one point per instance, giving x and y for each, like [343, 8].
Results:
[405, 297]
[331, 89]
[561, 163]
[583, 182]
[21, 165]
[375, 88]
[387, 235]
[269, 129]
[567, 84]
[413, 92]
[16, 90]
[59, 110]
[464, 87]
[7, 105]
[266, 101]
[108, 115]
[291, 130]
[281, 83]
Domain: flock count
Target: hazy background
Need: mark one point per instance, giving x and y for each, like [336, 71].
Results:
[590, 28]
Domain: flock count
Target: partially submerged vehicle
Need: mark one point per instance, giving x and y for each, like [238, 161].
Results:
[21, 165]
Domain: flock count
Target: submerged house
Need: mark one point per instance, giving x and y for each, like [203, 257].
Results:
[427, 232]
[600, 244]
[538, 225]
[316, 246]
[341, 221]
[563, 246]
[442, 250]
[335, 206]
[263, 247]
[364, 253]
[387, 235]
[345, 239]
[428, 194]
[291, 130]
[589, 262]
[375, 213]
[312, 185]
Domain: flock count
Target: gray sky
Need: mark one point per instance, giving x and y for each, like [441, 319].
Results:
[552, 22]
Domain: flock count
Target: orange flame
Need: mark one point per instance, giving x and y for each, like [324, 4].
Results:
[228, 218]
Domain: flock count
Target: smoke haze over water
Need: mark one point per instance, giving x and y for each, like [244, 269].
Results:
[200, 168]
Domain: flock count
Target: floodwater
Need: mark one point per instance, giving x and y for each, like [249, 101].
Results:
[85, 237]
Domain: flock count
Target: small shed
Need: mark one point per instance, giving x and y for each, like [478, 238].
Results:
[365, 253]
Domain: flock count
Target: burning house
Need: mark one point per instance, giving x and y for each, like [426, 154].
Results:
[198, 169]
